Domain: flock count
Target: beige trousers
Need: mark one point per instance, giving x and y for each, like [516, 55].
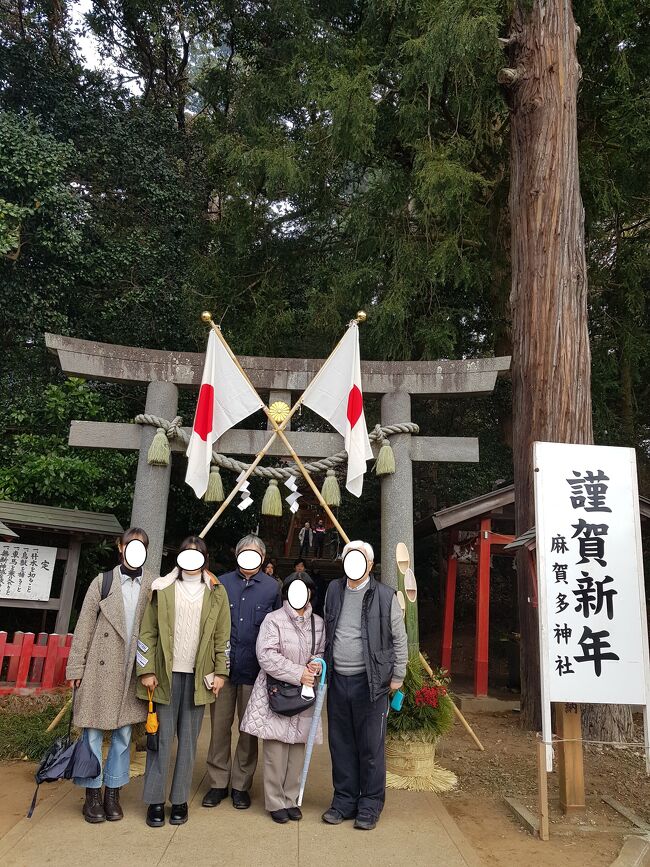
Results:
[282, 767]
[222, 770]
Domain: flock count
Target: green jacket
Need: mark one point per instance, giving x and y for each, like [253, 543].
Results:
[156, 643]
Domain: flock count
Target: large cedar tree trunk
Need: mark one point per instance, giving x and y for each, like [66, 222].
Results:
[551, 366]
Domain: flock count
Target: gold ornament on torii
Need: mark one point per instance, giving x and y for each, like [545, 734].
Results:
[279, 411]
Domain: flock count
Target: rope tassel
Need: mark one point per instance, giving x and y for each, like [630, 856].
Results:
[272, 502]
[385, 465]
[331, 491]
[159, 450]
[214, 491]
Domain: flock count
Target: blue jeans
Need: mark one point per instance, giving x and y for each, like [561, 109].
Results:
[116, 772]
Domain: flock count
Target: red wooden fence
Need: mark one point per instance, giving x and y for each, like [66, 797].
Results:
[32, 664]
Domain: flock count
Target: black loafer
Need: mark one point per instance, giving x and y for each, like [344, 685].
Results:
[241, 800]
[178, 815]
[213, 797]
[156, 815]
[295, 813]
[365, 822]
[280, 816]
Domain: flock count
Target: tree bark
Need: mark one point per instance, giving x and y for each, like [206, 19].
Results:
[551, 366]
[551, 356]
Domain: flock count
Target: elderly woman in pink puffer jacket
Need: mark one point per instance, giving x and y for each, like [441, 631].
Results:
[288, 640]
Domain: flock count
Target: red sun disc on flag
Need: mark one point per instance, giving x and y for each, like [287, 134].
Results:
[355, 405]
[204, 411]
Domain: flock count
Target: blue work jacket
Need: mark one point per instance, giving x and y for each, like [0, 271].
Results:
[250, 601]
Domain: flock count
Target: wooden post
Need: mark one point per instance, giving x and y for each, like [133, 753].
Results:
[542, 791]
[67, 587]
[450, 602]
[570, 764]
[481, 652]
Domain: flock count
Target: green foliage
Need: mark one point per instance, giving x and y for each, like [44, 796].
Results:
[38, 466]
[418, 719]
[36, 205]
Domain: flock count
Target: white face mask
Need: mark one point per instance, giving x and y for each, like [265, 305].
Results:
[135, 553]
[355, 564]
[297, 594]
[190, 560]
[249, 559]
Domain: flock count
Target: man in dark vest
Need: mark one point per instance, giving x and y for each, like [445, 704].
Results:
[366, 654]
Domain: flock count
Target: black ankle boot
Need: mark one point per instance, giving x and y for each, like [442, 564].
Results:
[112, 807]
[93, 808]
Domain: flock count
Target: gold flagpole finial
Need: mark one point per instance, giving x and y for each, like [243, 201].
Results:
[206, 317]
[361, 316]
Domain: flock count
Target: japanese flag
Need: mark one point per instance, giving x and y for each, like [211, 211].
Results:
[226, 397]
[335, 394]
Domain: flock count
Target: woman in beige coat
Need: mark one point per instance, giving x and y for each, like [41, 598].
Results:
[101, 667]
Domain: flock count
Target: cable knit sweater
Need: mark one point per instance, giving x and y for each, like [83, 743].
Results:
[187, 622]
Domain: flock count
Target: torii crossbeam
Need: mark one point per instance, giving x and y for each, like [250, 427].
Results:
[164, 372]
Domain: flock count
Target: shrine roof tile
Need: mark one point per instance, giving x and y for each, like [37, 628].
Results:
[64, 520]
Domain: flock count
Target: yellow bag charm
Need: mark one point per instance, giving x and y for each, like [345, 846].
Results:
[151, 726]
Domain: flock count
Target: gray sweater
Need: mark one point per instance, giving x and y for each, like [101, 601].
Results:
[347, 651]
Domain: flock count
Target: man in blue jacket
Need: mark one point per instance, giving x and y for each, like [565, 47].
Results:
[252, 595]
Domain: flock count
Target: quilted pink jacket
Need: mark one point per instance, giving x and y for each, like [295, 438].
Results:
[283, 649]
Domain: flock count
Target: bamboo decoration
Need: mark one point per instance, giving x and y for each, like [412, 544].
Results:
[57, 719]
[278, 431]
[407, 586]
[408, 589]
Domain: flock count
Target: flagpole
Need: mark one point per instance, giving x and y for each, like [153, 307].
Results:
[278, 431]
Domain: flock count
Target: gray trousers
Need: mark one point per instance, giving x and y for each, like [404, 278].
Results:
[181, 718]
[282, 766]
[222, 770]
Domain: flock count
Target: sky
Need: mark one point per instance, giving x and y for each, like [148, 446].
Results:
[87, 43]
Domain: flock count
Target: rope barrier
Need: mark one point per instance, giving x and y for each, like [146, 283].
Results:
[174, 430]
[618, 744]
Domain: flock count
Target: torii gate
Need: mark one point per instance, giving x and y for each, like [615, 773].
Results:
[164, 372]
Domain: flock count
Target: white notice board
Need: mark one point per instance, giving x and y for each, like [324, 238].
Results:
[592, 609]
[26, 571]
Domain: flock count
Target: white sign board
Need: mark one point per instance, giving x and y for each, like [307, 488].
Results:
[26, 571]
[592, 608]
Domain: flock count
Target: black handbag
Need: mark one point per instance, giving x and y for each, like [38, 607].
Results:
[286, 699]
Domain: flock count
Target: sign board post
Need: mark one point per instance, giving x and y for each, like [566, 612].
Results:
[568, 727]
[592, 611]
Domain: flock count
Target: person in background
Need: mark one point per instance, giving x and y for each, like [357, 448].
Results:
[305, 539]
[287, 642]
[252, 595]
[319, 538]
[101, 667]
[183, 658]
[269, 569]
[366, 654]
[299, 565]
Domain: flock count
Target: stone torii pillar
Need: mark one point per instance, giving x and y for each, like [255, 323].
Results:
[396, 489]
[285, 378]
[152, 483]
